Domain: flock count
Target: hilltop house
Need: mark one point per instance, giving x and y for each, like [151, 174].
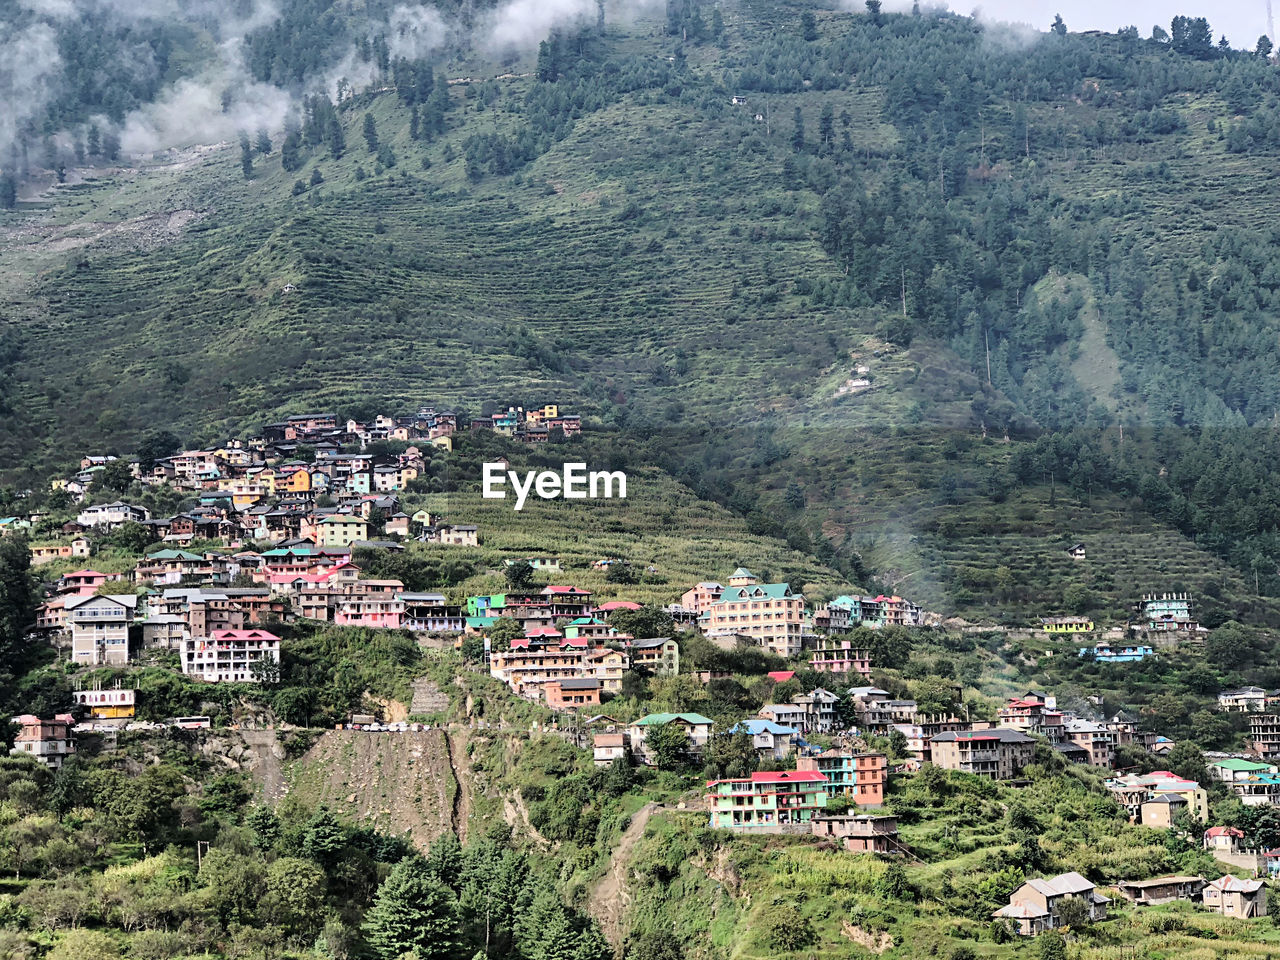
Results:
[1094, 738]
[659, 655]
[841, 658]
[113, 704]
[771, 740]
[1033, 908]
[695, 726]
[1131, 791]
[108, 516]
[1244, 700]
[860, 832]
[49, 741]
[1161, 890]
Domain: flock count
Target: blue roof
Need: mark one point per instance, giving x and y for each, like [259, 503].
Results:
[757, 727]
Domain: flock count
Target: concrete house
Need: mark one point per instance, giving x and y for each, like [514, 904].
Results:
[860, 776]
[49, 741]
[767, 802]
[100, 628]
[998, 754]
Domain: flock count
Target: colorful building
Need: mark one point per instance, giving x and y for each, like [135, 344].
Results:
[861, 777]
[767, 800]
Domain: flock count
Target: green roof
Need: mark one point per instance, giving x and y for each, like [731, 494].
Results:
[742, 572]
[657, 719]
[1234, 764]
[342, 518]
[767, 591]
[173, 555]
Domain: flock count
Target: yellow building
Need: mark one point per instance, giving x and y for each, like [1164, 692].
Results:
[341, 530]
[1067, 624]
[106, 704]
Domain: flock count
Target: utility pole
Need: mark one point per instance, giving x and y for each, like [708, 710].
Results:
[904, 291]
[202, 847]
[986, 335]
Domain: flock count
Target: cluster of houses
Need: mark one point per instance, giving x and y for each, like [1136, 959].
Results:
[1162, 615]
[535, 425]
[1037, 905]
[773, 616]
[258, 513]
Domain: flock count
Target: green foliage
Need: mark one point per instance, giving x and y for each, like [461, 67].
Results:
[413, 911]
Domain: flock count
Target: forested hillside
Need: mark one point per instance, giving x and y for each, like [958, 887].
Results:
[694, 224]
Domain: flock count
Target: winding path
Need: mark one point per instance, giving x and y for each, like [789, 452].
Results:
[610, 898]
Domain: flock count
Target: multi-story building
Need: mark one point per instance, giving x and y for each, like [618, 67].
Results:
[1104, 651]
[770, 614]
[111, 515]
[1094, 738]
[765, 801]
[431, 612]
[842, 658]
[998, 754]
[572, 694]
[374, 608]
[1034, 907]
[1168, 612]
[659, 655]
[100, 628]
[1243, 700]
[919, 729]
[860, 833]
[701, 596]
[771, 740]
[530, 663]
[228, 656]
[341, 530]
[1032, 715]
[695, 726]
[859, 776]
[1264, 731]
[1133, 790]
[113, 704]
[49, 741]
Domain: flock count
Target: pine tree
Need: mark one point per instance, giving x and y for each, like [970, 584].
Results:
[8, 192]
[797, 136]
[246, 156]
[412, 911]
[414, 128]
[263, 144]
[370, 133]
[337, 139]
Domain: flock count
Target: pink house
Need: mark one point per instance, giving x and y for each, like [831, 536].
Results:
[83, 583]
[370, 610]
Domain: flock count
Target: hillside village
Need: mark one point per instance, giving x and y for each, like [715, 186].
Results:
[270, 547]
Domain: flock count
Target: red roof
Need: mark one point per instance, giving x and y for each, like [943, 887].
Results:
[781, 675]
[1224, 832]
[83, 573]
[618, 605]
[555, 589]
[542, 632]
